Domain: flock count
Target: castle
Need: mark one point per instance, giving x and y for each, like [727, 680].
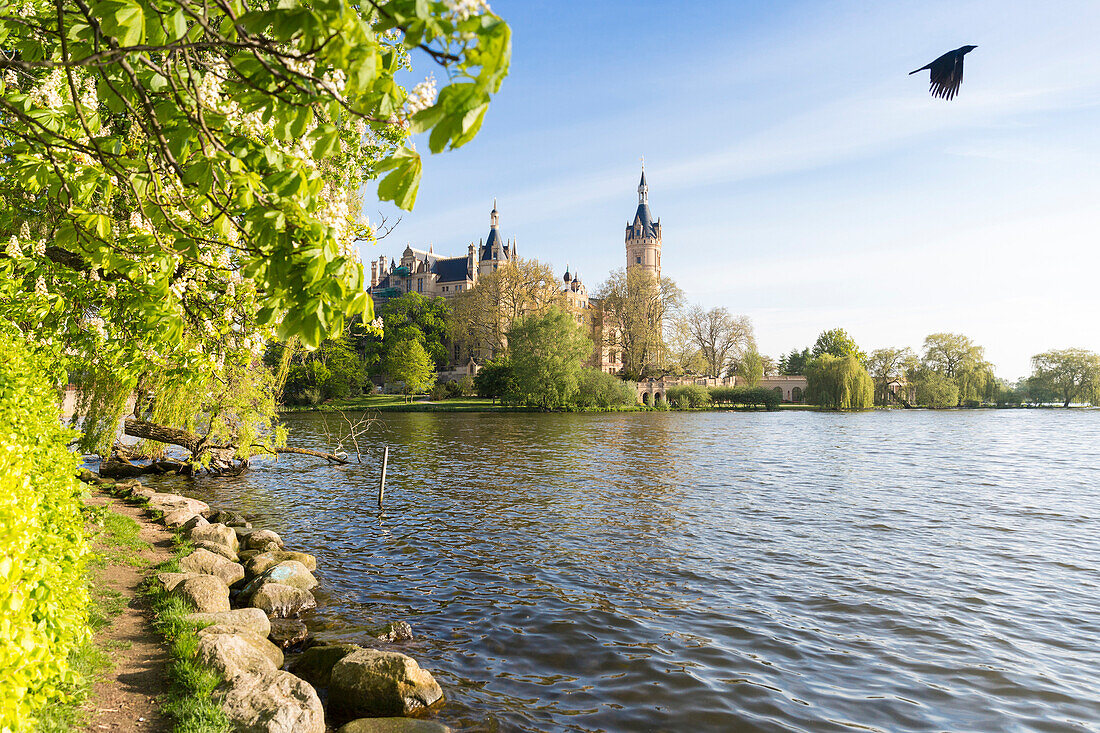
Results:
[431, 275]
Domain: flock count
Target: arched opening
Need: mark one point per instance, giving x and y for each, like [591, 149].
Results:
[645, 398]
[796, 394]
[657, 397]
[778, 393]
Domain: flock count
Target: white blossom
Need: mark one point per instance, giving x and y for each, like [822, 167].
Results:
[462, 9]
[112, 291]
[139, 223]
[13, 250]
[40, 286]
[97, 324]
[39, 248]
[421, 97]
[24, 231]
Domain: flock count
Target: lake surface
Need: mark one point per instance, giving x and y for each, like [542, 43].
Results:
[888, 571]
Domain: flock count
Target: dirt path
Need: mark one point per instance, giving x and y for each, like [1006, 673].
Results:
[126, 698]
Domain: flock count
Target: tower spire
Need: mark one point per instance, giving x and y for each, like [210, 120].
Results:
[494, 218]
[643, 187]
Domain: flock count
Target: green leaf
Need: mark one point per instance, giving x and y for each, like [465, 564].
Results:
[403, 182]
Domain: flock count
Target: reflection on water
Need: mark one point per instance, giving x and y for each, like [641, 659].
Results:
[747, 571]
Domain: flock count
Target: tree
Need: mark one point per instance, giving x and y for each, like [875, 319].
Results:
[837, 342]
[1069, 373]
[839, 383]
[408, 362]
[795, 362]
[412, 316]
[183, 185]
[638, 307]
[722, 338]
[547, 352]
[937, 390]
[958, 358]
[683, 355]
[887, 367]
[494, 379]
[482, 316]
[750, 367]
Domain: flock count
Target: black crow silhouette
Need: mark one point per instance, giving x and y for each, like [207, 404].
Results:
[946, 73]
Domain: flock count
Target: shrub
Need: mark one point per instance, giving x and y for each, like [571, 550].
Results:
[463, 387]
[42, 547]
[603, 390]
[439, 392]
[686, 396]
[748, 396]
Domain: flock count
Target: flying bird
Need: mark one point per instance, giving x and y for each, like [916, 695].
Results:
[946, 73]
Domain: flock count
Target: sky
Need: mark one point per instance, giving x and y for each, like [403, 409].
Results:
[801, 176]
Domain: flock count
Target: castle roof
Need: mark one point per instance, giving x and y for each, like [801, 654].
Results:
[644, 217]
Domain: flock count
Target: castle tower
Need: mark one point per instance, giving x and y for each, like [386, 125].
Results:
[643, 236]
[493, 250]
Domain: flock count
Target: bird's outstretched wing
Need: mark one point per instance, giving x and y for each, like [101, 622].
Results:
[946, 75]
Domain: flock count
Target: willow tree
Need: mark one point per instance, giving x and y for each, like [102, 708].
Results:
[482, 316]
[959, 359]
[1072, 374]
[637, 307]
[182, 183]
[839, 383]
[888, 367]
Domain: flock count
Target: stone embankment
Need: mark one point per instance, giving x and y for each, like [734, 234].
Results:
[248, 591]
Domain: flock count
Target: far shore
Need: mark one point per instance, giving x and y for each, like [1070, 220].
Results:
[421, 403]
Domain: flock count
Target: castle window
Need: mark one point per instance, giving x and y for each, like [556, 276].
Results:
[408, 285]
[638, 260]
[420, 285]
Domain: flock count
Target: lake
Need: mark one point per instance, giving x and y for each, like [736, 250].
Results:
[887, 571]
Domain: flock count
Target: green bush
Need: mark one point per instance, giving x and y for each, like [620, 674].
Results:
[747, 396]
[42, 547]
[603, 390]
[685, 396]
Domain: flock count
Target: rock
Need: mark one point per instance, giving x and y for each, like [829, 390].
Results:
[272, 702]
[259, 538]
[242, 533]
[393, 725]
[264, 560]
[208, 593]
[204, 561]
[270, 547]
[196, 521]
[286, 633]
[168, 581]
[315, 664]
[393, 631]
[142, 492]
[216, 549]
[227, 517]
[86, 476]
[179, 517]
[252, 620]
[167, 503]
[259, 643]
[247, 554]
[232, 655]
[119, 469]
[282, 601]
[288, 572]
[373, 683]
[217, 533]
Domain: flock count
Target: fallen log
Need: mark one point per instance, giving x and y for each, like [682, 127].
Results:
[223, 458]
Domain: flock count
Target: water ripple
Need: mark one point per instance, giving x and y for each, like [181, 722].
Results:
[715, 572]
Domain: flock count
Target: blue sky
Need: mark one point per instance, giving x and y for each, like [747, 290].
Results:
[801, 176]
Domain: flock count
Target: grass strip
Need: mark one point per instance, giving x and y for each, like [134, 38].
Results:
[190, 701]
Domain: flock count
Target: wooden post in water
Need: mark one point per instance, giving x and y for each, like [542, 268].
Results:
[382, 480]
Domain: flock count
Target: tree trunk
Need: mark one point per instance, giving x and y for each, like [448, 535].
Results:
[223, 458]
